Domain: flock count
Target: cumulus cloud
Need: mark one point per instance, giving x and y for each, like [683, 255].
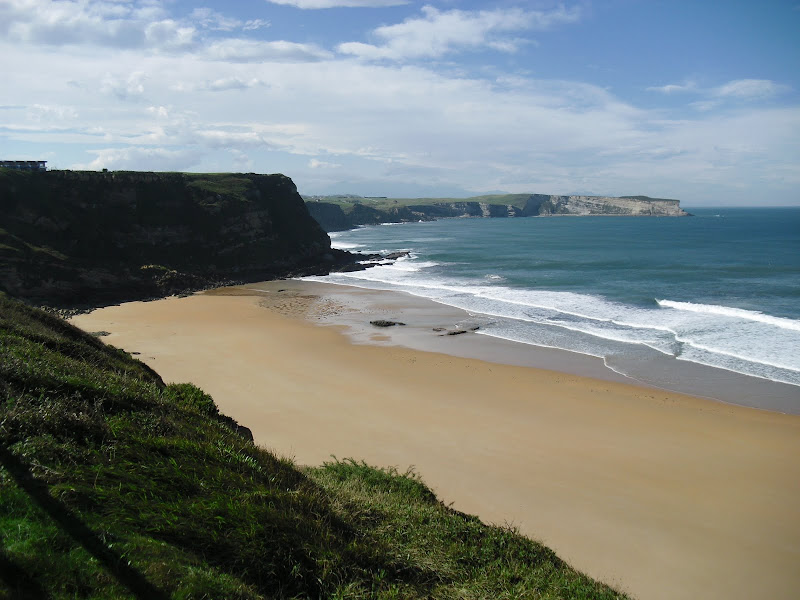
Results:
[316, 4]
[169, 35]
[71, 22]
[114, 24]
[439, 32]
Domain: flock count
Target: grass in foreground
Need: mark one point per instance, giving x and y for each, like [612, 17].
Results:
[115, 485]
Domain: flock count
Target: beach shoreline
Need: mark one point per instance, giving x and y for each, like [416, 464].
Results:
[422, 317]
[660, 494]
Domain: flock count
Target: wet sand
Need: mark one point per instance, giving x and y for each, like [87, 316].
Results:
[659, 494]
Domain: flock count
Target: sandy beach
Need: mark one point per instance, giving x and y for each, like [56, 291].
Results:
[662, 495]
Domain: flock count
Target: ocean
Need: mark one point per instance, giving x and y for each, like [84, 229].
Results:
[649, 296]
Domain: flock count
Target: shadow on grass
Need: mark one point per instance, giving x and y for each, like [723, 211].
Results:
[19, 583]
[75, 528]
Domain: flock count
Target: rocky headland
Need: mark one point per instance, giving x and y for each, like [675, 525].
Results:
[348, 212]
[71, 238]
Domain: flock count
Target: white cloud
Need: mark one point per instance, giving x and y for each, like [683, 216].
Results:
[321, 164]
[208, 18]
[127, 88]
[143, 159]
[169, 35]
[225, 101]
[739, 88]
[113, 24]
[220, 138]
[673, 88]
[438, 32]
[242, 50]
[705, 105]
[211, 19]
[71, 22]
[44, 112]
[749, 89]
[316, 4]
[241, 160]
[232, 83]
[253, 24]
[159, 111]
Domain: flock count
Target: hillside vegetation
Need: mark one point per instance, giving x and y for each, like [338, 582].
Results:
[115, 485]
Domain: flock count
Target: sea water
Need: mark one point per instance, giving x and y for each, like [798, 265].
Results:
[720, 288]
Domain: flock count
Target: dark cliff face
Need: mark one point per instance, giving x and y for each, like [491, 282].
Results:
[332, 218]
[72, 238]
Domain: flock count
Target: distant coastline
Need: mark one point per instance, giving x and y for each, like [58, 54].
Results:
[339, 213]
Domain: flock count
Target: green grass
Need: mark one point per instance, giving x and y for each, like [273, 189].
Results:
[223, 184]
[114, 485]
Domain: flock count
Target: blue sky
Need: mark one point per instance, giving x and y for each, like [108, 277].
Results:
[692, 100]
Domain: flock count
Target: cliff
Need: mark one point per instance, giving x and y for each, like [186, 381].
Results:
[347, 213]
[88, 238]
[541, 204]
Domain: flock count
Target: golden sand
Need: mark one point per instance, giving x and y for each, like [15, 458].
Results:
[662, 495]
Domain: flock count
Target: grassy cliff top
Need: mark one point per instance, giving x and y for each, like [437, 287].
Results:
[115, 485]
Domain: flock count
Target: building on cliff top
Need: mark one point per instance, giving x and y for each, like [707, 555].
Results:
[24, 165]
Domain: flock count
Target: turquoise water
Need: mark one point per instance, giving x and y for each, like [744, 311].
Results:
[720, 289]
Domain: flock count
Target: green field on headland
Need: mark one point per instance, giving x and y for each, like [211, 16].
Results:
[114, 484]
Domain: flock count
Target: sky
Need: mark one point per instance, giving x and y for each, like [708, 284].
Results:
[694, 100]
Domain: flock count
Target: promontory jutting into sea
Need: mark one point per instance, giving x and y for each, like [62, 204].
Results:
[654, 298]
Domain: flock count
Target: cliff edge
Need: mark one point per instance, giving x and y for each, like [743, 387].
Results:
[72, 238]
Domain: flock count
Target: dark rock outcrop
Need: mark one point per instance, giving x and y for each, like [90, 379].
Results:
[385, 323]
[87, 238]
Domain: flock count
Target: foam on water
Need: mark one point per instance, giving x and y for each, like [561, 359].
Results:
[340, 245]
[714, 336]
[749, 342]
[737, 313]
